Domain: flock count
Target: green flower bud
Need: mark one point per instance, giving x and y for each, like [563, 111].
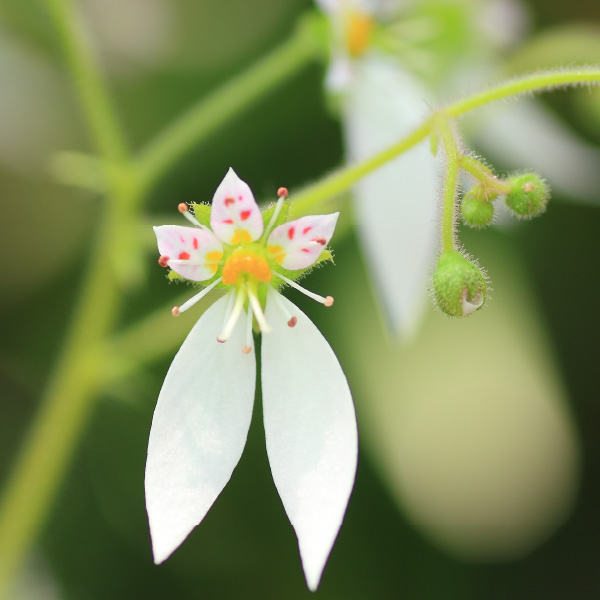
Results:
[529, 195]
[476, 210]
[458, 284]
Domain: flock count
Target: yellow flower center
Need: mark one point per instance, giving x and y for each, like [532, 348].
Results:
[245, 265]
[359, 28]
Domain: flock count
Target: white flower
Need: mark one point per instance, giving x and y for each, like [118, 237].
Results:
[396, 206]
[204, 408]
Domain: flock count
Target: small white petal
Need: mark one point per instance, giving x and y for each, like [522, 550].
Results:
[310, 428]
[199, 429]
[396, 205]
[298, 244]
[525, 134]
[235, 216]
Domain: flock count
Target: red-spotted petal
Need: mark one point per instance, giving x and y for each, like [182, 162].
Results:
[298, 244]
[235, 216]
[193, 253]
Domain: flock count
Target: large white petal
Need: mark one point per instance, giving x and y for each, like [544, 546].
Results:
[199, 429]
[525, 134]
[311, 433]
[396, 206]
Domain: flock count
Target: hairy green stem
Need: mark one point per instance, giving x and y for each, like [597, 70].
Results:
[225, 103]
[484, 174]
[453, 155]
[341, 180]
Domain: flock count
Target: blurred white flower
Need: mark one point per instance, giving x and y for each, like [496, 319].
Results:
[204, 409]
[388, 58]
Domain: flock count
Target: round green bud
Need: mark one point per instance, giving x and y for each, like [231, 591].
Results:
[458, 284]
[476, 210]
[529, 195]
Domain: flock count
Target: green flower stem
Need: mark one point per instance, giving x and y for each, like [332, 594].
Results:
[95, 101]
[309, 198]
[484, 174]
[225, 103]
[453, 156]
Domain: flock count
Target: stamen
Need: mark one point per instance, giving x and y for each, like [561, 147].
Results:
[258, 312]
[183, 208]
[249, 317]
[177, 310]
[282, 193]
[233, 317]
[291, 321]
[193, 263]
[327, 300]
[163, 260]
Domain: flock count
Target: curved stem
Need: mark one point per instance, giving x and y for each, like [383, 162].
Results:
[484, 174]
[341, 180]
[225, 103]
[539, 82]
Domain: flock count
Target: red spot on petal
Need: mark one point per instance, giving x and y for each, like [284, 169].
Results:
[321, 241]
[195, 244]
[228, 222]
[291, 233]
[240, 198]
[184, 256]
[229, 201]
[245, 214]
[306, 229]
[305, 250]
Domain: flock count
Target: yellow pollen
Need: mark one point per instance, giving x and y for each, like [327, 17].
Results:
[359, 28]
[277, 250]
[239, 236]
[246, 264]
[213, 256]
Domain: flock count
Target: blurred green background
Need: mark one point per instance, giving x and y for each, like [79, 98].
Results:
[480, 456]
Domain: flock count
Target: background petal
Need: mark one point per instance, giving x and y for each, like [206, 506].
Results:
[199, 429]
[395, 206]
[234, 211]
[311, 433]
[187, 248]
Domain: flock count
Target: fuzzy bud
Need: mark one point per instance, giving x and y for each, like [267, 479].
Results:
[477, 210]
[529, 195]
[458, 284]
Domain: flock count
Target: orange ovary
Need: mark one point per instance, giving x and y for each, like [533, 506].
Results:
[277, 250]
[246, 265]
[359, 28]
[212, 259]
[239, 236]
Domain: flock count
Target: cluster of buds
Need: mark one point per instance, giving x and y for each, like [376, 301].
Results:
[459, 285]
